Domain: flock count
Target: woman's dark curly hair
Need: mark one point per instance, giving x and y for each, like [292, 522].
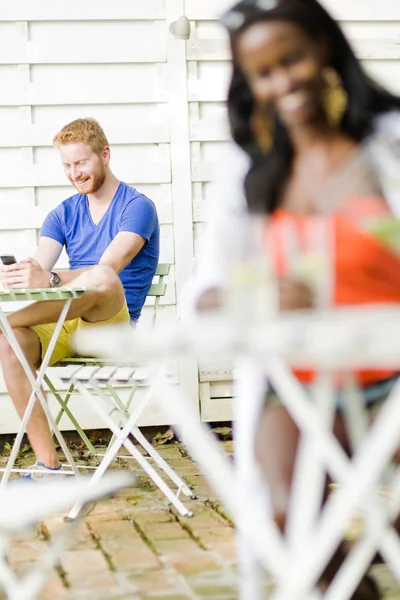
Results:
[366, 99]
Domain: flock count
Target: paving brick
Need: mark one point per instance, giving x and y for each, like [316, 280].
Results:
[124, 546]
[164, 596]
[130, 559]
[135, 547]
[202, 521]
[81, 538]
[214, 590]
[112, 529]
[88, 569]
[26, 552]
[216, 535]
[55, 589]
[204, 562]
[165, 531]
[150, 582]
[227, 550]
[176, 548]
[156, 516]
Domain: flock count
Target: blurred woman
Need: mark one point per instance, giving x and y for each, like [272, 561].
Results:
[300, 106]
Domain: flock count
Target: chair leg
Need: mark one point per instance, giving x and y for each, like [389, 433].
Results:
[121, 439]
[65, 409]
[181, 485]
[123, 407]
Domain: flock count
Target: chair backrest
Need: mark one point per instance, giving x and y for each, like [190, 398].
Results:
[158, 288]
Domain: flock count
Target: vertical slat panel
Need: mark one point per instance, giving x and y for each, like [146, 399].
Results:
[181, 176]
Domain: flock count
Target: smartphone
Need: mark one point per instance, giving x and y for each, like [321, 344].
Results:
[8, 259]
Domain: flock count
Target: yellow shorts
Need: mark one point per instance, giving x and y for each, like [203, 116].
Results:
[63, 347]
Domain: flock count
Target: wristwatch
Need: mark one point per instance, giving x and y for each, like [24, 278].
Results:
[55, 280]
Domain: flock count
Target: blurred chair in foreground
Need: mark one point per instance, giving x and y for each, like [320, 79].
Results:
[45, 499]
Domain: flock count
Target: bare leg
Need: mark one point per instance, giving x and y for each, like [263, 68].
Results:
[276, 446]
[20, 390]
[103, 303]
[99, 305]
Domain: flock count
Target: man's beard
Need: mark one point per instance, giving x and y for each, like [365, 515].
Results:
[95, 182]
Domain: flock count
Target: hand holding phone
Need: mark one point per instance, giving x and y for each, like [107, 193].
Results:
[22, 275]
[6, 259]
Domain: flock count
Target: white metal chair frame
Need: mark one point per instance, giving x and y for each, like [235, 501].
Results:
[156, 291]
[18, 515]
[87, 381]
[99, 377]
[343, 340]
[67, 294]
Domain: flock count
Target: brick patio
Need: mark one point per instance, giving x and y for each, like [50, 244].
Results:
[135, 547]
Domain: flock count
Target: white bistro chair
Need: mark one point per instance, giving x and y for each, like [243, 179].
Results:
[326, 341]
[20, 511]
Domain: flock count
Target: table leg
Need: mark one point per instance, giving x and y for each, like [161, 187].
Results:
[249, 396]
[36, 383]
[355, 415]
[205, 450]
[366, 467]
[310, 475]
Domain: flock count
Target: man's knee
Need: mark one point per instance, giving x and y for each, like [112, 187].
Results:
[104, 278]
[29, 344]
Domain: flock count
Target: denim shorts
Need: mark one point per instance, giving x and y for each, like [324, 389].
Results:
[374, 394]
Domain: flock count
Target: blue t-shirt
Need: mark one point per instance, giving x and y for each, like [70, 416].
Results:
[71, 225]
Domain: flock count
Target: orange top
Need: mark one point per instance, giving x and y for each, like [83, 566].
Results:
[364, 270]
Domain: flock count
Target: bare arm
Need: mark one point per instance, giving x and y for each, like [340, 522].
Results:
[47, 253]
[124, 247]
[117, 255]
[35, 272]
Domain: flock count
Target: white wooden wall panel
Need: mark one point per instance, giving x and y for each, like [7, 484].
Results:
[41, 134]
[357, 10]
[115, 70]
[89, 10]
[161, 102]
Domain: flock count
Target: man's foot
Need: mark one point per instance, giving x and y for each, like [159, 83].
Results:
[40, 472]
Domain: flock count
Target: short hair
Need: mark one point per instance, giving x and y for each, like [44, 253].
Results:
[85, 130]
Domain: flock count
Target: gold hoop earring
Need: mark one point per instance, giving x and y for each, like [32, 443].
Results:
[334, 97]
[261, 126]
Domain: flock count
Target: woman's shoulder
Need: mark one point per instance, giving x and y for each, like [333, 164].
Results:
[387, 124]
[228, 184]
[383, 149]
[233, 163]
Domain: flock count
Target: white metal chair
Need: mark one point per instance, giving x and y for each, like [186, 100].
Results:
[156, 291]
[89, 381]
[101, 377]
[20, 511]
[327, 341]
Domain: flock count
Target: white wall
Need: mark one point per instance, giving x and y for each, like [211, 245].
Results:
[159, 99]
